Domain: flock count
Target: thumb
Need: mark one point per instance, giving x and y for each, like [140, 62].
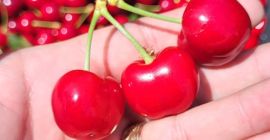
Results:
[240, 116]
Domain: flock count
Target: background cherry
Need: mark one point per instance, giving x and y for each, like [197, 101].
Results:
[215, 32]
[66, 31]
[24, 22]
[50, 11]
[13, 6]
[34, 3]
[86, 106]
[3, 40]
[165, 87]
[147, 2]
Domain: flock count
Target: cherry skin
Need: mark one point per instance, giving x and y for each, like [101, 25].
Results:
[86, 106]
[147, 2]
[114, 10]
[44, 37]
[24, 22]
[167, 86]
[215, 32]
[12, 26]
[166, 5]
[121, 18]
[50, 11]
[74, 3]
[71, 19]
[254, 38]
[83, 29]
[3, 40]
[34, 3]
[13, 6]
[66, 31]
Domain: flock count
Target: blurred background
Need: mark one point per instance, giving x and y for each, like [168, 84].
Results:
[28, 23]
[265, 37]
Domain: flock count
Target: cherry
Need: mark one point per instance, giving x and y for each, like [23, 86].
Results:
[44, 37]
[121, 18]
[264, 2]
[215, 32]
[167, 86]
[3, 40]
[71, 19]
[34, 3]
[50, 11]
[166, 5]
[74, 3]
[29, 37]
[147, 2]
[114, 10]
[12, 26]
[24, 22]
[86, 106]
[13, 6]
[83, 29]
[66, 32]
[254, 38]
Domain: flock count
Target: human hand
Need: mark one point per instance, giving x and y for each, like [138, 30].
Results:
[29, 76]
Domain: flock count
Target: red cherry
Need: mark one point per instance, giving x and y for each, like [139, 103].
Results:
[74, 3]
[44, 37]
[34, 3]
[254, 38]
[71, 19]
[24, 22]
[12, 26]
[264, 2]
[66, 32]
[121, 18]
[147, 2]
[165, 87]
[86, 106]
[113, 10]
[29, 37]
[166, 5]
[84, 29]
[215, 32]
[3, 40]
[50, 11]
[13, 6]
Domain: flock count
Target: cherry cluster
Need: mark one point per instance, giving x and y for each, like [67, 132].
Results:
[38, 22]
[213, 34]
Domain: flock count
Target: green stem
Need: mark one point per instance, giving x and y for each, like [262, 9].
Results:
[92, 26]
[46, 24]
[4, 18]
[123, 5]
[147, 58]
[149, 8]
[77, 10]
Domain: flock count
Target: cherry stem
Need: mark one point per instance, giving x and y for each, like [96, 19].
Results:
[92, 26]
[4, 18]
[123, 5]
[77, 10]
[46, 24]
[150, 8]
[147, 58]
[82, 18]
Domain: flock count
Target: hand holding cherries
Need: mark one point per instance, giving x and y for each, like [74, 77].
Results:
[214, 33]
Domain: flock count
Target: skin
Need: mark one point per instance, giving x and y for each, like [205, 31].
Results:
[234, 97]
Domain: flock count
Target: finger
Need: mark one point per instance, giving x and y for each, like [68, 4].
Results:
[239, 116]
[249, 68]
[264, 136]
[13, 103]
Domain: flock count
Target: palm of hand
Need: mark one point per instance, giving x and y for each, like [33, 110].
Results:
[29, 77]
